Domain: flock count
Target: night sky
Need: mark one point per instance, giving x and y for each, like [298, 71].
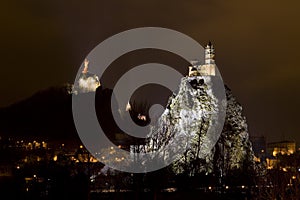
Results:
[43, 43]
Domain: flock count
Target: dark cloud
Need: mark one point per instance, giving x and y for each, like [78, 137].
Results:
[44, 42]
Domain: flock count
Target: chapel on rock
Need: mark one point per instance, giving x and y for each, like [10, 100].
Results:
[206, 69]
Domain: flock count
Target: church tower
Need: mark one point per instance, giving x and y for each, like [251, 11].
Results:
[209, 54]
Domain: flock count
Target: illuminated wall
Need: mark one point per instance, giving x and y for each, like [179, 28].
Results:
[283, 147]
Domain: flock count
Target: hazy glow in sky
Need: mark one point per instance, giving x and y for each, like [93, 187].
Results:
[43, 43]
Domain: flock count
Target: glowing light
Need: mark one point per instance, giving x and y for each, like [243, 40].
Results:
[80, 146]
[44, 144]
[209, 187]
[55, 158]
[227, 187]
[293, 177]
[128, 107]
[284, 169]
[142, 117]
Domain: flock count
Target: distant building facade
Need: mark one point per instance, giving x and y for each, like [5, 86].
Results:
[279, 148]
[282, 147]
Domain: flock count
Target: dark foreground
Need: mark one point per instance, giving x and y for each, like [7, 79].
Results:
[187, 195]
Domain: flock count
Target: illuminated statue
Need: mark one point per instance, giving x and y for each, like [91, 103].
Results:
[86, 66]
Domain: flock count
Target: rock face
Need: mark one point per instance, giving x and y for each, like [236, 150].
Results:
[194, 117]
[234, 149]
